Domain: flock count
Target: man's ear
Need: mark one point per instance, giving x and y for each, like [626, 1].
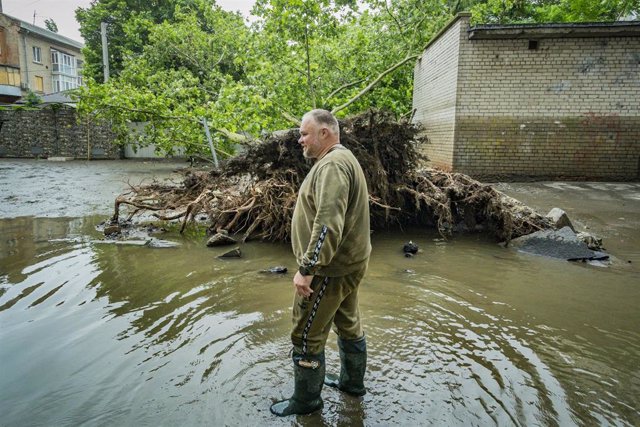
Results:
[324, 132]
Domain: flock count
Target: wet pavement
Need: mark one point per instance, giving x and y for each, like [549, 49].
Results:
[610, 210]
[76, 188]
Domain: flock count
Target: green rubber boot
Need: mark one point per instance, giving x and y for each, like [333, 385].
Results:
[353, 364]
[308, 376]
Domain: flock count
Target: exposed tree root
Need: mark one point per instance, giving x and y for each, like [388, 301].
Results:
[255, 193]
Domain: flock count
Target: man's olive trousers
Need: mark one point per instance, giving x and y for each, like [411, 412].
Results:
[334, 301]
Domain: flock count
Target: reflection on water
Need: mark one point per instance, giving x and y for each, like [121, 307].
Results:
[466, 333]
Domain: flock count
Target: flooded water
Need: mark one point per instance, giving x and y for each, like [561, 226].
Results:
[466, 333]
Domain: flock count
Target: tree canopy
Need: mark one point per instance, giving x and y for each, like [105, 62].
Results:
[521, 11]
[175, 62]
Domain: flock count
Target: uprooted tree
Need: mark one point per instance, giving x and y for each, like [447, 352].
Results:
[254, 193]
[176, 62]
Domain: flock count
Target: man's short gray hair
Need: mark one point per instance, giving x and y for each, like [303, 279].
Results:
[324, 118]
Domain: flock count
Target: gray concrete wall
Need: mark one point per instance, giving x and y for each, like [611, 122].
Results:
[50, 133]
[138, 149]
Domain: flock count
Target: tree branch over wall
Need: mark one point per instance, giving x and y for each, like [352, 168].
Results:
[373, 83]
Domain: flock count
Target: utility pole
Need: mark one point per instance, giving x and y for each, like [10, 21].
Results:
[105, 51]
[208, 134]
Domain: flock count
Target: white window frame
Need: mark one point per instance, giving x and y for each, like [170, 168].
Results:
[54, 60]
[37, 54]
[65, 71]
[63, 63]
[61, 82]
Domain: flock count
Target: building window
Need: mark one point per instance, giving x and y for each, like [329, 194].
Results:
[37, 54]
[60, 83]
[39, 84]
[63, 63]
[79, 66]
[9, 76]
[65, 71]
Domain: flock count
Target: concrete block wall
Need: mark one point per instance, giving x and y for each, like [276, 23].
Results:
[54, 133]
[570, 108]
[434, 95]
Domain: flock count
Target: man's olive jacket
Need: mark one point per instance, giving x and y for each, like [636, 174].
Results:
[330, 226]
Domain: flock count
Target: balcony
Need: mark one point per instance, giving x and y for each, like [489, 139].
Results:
[8, 90]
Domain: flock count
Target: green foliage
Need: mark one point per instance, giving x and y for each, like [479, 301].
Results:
[587, 10]
[514, 11]
[175, 62]
[383, 35]
[185, 70]
[51, 25]
[130, 23]
[32, 100]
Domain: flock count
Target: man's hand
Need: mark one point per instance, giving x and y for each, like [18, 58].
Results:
[302, 284]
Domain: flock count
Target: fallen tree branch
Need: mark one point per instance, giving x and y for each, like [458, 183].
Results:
[232, 136]
[291, 118]
[373, 83]
[343, 87]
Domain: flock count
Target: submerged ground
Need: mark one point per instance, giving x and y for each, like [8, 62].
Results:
[466, 333]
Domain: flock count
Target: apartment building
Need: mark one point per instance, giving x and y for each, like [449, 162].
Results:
[36, 59]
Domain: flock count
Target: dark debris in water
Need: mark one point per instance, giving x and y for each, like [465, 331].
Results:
[129, 233]
[233, 253]
[279, 269]
[410, 247]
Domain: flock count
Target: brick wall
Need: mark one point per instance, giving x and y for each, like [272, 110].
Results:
[54, 133]
[434, 95]
[570, 108]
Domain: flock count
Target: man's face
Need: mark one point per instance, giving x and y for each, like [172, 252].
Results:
[310, 139]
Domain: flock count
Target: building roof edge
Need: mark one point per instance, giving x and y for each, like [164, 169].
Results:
[444, 29]
[552, 30]
[43, 32]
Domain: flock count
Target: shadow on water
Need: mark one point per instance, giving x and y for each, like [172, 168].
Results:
[466, 333]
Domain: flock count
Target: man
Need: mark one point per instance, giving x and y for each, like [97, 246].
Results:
[330, 239]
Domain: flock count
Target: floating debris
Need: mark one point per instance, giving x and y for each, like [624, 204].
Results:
[112, 230]
[410, 247]
[233, 253]
[562, 244]
[221, 239]
[162, 244]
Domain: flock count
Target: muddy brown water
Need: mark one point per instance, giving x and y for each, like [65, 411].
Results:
[466, 333]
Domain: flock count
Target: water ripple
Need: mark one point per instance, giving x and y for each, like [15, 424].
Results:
[119, 335]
